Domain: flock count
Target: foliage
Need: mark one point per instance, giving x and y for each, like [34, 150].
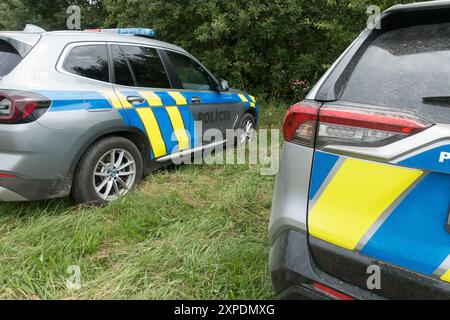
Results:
[275, 48]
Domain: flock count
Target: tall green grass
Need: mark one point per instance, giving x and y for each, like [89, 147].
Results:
[189, 232]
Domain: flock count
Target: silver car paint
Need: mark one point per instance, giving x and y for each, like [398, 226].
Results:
[290, 198]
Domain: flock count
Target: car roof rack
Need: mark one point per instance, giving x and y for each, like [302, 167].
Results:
[140, 32]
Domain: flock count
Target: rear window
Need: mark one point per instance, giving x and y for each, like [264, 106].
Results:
[401, 67]
[9, 58]
[90, 61]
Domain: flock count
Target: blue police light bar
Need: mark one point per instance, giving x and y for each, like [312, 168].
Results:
[141, 32]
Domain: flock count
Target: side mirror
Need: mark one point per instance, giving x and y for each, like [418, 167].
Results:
[223, 85]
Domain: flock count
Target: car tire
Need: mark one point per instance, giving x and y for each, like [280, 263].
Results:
[102, 175]
[247, 119]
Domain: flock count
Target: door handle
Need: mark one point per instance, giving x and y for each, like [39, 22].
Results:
[196, 100]
[135, 100]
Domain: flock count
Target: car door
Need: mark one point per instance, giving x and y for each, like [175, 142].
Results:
[211, 108]
[380, 185]
[144, 88]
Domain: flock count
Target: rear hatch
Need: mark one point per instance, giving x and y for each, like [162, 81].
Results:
[380, 186]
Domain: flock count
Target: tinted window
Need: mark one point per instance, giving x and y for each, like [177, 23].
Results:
[89, 61]
[9, 58]
[122, 71]
[147, 67]
[191, 74]
[400, 68]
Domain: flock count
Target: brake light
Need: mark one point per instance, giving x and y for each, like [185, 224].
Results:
[348, 125]
[299, 124]
[366, 126]
[321, 288]
[7, 176]
[21, 106]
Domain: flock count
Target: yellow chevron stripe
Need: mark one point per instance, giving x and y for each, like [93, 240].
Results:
[253, 98]
[112, 98]
[152, 98]
[252, 104]
[178, 127]
[355, 198]
[243, 98]
[153, 131]
[446, 276]
[180, 100]
[123, 100]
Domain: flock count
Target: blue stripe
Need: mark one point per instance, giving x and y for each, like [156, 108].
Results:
[429, 160]
[65, 100]
[125, 117]
[95, 100]
[166, 128]
[74, 100]
[322, 165]
[166, 99]
[212, 97]
[414, 235]
[188, 120]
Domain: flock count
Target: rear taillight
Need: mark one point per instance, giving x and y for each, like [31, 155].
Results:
[299, 124]
[21, 106]
[349, 125]
[366, 126]
[7, 176]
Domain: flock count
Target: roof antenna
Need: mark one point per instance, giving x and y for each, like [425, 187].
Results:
[31, 28]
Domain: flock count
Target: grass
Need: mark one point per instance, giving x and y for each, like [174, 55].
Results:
[188, 232]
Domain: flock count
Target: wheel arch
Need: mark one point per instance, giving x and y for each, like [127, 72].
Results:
[253, 112]
[135, 135]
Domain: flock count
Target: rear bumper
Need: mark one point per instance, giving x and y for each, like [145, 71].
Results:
[17, 189]
[40, 158]
[293, 271]
[8, 195]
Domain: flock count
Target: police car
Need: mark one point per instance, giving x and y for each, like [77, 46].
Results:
[88, 113]
[361, 203]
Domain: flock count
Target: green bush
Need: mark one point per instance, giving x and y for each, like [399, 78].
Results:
[273, 48]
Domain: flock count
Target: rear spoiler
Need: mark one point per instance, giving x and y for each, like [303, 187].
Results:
[22, 42]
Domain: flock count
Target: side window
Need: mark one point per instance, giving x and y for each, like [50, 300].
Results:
[122, 73]
[191, 74]
[147, 67]
[9, 58]
[90, 61]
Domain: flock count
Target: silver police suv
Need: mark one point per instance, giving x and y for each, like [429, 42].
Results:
[361, 204]
[89, 113]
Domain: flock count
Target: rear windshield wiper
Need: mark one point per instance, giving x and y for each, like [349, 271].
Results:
[439, 100]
